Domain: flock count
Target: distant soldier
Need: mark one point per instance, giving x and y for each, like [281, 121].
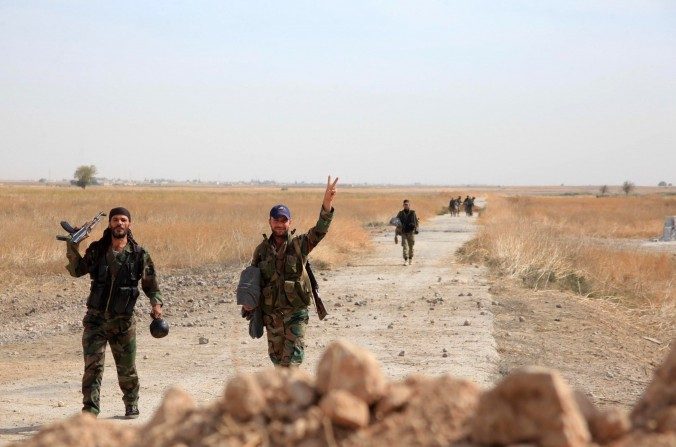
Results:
[409, 227]
[286, 291]
[455, 206]
[115, 263]
[470, 205]
[465, 204]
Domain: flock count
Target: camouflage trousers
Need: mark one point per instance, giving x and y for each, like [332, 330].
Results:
[120, 332]
[407, 241]
[286, 333]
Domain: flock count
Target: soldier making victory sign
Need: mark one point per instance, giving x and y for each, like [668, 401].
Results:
[285, 287]
[115, 264]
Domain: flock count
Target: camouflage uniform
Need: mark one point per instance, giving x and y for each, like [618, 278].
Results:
[409, 226]
[109, 317]
[286, 292]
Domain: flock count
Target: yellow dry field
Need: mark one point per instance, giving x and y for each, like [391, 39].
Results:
[581, 243]
[191, 227]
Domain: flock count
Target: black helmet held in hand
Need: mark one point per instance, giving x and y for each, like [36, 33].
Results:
[159, 328]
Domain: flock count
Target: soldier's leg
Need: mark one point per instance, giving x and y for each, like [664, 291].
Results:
[411, 242]
[404, 245]
[94, 352]
[294, 338]
[274, 328]
[123, 346]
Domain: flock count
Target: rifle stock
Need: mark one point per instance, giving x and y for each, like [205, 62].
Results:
[319, 304]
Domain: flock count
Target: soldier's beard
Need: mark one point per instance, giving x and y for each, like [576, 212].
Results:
[119, 233]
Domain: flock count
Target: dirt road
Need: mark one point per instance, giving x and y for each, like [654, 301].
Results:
[432, 317]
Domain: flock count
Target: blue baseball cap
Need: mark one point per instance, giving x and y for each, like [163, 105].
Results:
[280, 210]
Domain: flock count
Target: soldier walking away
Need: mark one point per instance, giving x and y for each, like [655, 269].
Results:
[115, 263]
[455, 206]
[465, 203]
[409, 228]
[470, 206]
[285, 286]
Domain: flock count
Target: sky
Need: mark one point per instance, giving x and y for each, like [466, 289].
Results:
[396, 92]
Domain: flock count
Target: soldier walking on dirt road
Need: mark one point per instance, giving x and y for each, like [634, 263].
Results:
[115, 264]
[285, 286]
[409, 227]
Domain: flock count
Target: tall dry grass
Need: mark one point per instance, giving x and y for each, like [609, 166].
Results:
[550, 241]
[189, 227]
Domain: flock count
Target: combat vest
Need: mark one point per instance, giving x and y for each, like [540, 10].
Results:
[407, 220]
[294, 283]
[118, 298]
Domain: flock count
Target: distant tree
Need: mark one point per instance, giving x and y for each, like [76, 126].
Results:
[662, 183]
[84, 175]
[628, 187]
[603, 190]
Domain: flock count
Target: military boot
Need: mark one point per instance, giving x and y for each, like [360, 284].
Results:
[131, 412]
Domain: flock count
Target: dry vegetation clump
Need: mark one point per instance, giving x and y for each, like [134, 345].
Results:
[352, 404]
[549, 241]
[189, 227]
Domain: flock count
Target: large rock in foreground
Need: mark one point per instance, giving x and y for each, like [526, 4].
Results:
[351, 405]
[530, 405]
[345, 366]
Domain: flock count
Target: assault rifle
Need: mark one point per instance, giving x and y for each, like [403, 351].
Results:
[321, 310]
[75, 234]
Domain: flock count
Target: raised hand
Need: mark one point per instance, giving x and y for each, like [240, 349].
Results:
[329, 194]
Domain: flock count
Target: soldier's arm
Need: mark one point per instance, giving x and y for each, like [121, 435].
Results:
[77, 264]
[149, 280]
[310, 239]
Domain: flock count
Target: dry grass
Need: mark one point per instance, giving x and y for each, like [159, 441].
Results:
[548, 241]
[190, 227]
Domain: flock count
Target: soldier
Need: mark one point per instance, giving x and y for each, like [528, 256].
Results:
[470, 206]
[465, 203]
[115, 263]
[409, 227]
[285, 286]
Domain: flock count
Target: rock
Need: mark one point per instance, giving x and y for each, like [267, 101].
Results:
[605, 426]
[559, 306]
[243, 397]
[401, 353]
[530, 405]
[469, 294]
[436, 413]
[466, 323]
[83, 430]
[521, 319]
[345, 409]
[345, 366]
[203, 340]
[461, 294]
[656, 409]
[396, 397]
[175, 404]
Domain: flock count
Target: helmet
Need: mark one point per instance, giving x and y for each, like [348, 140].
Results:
[159, 328]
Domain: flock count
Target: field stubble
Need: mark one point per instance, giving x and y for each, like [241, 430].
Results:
[549, 242]
[190, 227]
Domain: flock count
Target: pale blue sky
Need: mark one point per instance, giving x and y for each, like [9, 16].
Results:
[518, 92]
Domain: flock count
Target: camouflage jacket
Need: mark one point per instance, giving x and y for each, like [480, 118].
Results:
[284, 281]
[114, 286]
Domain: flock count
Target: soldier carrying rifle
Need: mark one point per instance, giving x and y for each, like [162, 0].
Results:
[115, 263]
[286, 291]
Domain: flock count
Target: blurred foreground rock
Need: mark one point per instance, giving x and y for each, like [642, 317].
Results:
[352, 404]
